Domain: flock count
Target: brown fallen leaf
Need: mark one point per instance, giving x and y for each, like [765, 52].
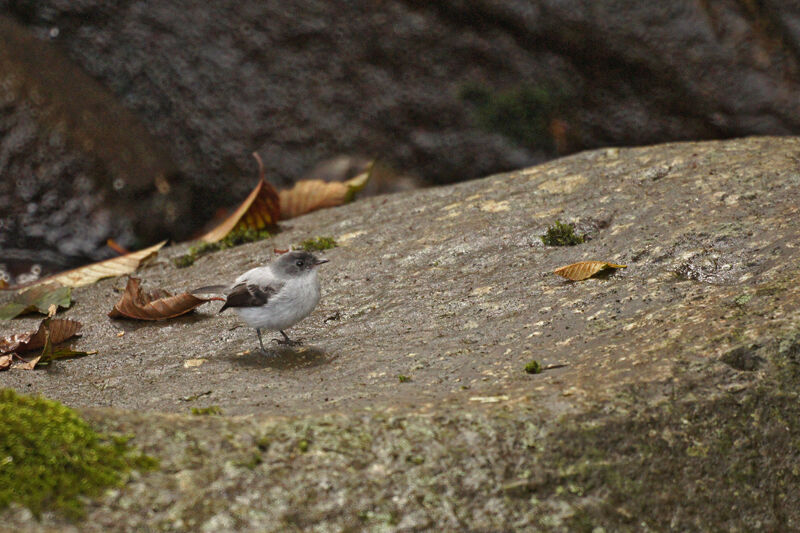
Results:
[51, 332]
[57, 329]
[585, 269]
[27, 364]
[49, 354]
[310, 195]
[13, 360]
[117, 266]
[259, 210]
[155, 304]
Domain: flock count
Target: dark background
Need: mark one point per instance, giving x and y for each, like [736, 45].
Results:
[136, 120]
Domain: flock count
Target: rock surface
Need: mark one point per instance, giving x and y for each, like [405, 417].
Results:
[676, 402]
[301, 83]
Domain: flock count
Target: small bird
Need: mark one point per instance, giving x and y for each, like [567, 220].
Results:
[276, 296]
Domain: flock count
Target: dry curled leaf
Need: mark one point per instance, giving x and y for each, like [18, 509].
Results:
[310, 195]
[50, 332]
[38, 298]
[118, 266]
[57, 329]
[585, 269]
[27, 364]
[259, 210]
[51, 353]
[155, 304]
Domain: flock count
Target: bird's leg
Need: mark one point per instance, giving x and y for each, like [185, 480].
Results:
[258, 332]
[287, 341]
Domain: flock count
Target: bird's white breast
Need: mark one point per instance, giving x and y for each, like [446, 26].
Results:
[292, 303]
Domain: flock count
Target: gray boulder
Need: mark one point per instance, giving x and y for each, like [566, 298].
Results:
[668, 393]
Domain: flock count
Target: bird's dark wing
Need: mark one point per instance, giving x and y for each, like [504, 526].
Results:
[249, 295]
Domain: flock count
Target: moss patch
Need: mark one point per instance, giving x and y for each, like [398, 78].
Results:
[533, 367]
[234, 238]
[560, 234]
[50, 458]
[210, 410]
[317, 245]
[522, 114]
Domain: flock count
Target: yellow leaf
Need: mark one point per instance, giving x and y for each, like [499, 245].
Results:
[585, 269]
[310, 195]
[118, 266]
[260, 209]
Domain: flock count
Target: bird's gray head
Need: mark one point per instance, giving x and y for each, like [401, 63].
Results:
[296, 263]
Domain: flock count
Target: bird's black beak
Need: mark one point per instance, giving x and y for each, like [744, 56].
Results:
[320, 261]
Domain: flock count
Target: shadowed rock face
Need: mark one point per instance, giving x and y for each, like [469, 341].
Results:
[446, 91]
[677, 372]
[77, 167]
[301, 84]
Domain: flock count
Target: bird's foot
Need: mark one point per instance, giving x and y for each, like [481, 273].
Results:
[288, 342]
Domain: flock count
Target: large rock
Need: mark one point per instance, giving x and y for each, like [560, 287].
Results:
[669, 394]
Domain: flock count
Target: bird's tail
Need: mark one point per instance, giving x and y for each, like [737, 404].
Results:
[210, 289]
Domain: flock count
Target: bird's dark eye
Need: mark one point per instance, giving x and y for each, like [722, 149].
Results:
[299, 263]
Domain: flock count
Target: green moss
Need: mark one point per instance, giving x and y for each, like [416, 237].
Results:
[390, 519]
[183, 261]
[317, 245]
[234, 238]
[560, 234]
[251, 463]
[533, 367]
[50, 458]
[262, 443]
[243, 236]
[210, 410]
[522, 114]
[403, 379]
